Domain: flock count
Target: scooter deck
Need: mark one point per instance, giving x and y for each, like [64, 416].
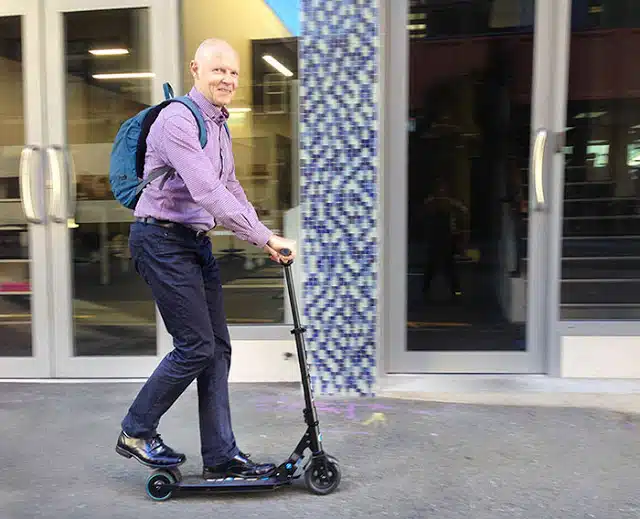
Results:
[230, 484]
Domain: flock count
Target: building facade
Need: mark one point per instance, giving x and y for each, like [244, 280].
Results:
[461, 176]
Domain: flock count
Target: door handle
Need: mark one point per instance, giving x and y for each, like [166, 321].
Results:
[27, 157]
[537, 169]
[63, 184]
[56, 194]
[71, 182]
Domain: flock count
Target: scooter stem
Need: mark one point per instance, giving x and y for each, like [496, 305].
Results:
[310, 413]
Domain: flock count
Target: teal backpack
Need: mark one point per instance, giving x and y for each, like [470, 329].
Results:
[130, 146]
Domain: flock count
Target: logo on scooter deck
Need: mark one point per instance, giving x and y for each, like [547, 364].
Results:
[230, 479]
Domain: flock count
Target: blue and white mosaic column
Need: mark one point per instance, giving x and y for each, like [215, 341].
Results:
[339, 191]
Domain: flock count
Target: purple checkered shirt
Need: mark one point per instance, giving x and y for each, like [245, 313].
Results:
[203, 192]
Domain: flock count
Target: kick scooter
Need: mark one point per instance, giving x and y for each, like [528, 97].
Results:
[321, 471]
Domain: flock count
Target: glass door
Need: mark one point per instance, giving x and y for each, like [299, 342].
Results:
[470, 142]
[599, 271]
[105, 61]
[24, 311]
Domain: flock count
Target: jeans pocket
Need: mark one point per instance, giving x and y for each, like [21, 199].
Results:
[166, 243]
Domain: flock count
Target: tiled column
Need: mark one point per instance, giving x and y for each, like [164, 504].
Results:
[339, 191]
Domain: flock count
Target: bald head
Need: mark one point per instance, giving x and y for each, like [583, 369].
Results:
[215, 69]
[212, 47]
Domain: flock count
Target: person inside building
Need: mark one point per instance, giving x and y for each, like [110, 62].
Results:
[443, 239]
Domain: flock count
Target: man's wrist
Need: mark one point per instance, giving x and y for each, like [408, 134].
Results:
[262, 235]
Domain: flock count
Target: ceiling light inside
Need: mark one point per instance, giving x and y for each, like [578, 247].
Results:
[109, 52]
[277, 65]
[125, 75]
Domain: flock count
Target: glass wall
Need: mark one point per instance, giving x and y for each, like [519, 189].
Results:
[263, 119]
[108, 80]
[601, 221]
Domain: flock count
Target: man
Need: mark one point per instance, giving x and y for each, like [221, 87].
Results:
[172, 252]
[442, 209]
[518, 205]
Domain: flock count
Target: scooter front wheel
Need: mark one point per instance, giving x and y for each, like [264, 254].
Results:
[323, 476]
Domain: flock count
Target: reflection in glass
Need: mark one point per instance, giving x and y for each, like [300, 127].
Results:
[263, 126]
[15, 289]
[601, 215]
[469, 133]
[114, 313]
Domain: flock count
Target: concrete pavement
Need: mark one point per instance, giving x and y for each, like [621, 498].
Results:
[399, 457]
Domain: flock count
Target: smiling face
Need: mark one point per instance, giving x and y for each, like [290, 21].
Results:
[215, 70]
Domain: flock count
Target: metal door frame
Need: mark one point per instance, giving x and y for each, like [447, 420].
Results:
[164, 47]
[558, 328]
[550, 60]
[39, 364]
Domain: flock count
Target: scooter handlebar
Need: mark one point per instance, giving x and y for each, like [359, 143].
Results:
[286, 253]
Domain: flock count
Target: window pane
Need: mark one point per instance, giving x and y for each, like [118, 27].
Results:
[263, 126]
[468, 153]
[605, 14]
[15, 276]
[451, 19]
[601, 220]
[113, 308]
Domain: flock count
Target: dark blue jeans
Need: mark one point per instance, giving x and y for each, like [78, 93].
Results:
[185, 281]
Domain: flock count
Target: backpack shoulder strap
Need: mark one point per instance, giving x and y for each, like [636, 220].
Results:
[185, 100]
[188, 102]
[156, 173]
[168, 91]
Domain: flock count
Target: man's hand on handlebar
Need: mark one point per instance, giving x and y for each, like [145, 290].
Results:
[280, 250]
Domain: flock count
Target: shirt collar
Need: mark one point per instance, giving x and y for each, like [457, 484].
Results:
[217, 114]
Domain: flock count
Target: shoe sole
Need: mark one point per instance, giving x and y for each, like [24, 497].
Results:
[127, 454]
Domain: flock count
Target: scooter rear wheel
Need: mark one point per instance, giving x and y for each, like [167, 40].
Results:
[321, 480]
[157, 485]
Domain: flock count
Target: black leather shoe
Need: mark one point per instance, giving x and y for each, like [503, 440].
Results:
[151, 452]
[239, 466]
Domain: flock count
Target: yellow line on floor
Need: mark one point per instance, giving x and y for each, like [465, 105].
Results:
[416, 324]
[19, 316]
[249, 320]
[142, 324]
[279, 287]
[89, 316]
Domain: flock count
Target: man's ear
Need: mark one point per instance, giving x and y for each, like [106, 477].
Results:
[193, 66]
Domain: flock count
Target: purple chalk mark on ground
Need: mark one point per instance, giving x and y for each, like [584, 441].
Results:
[351, 411]
[328, 408]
